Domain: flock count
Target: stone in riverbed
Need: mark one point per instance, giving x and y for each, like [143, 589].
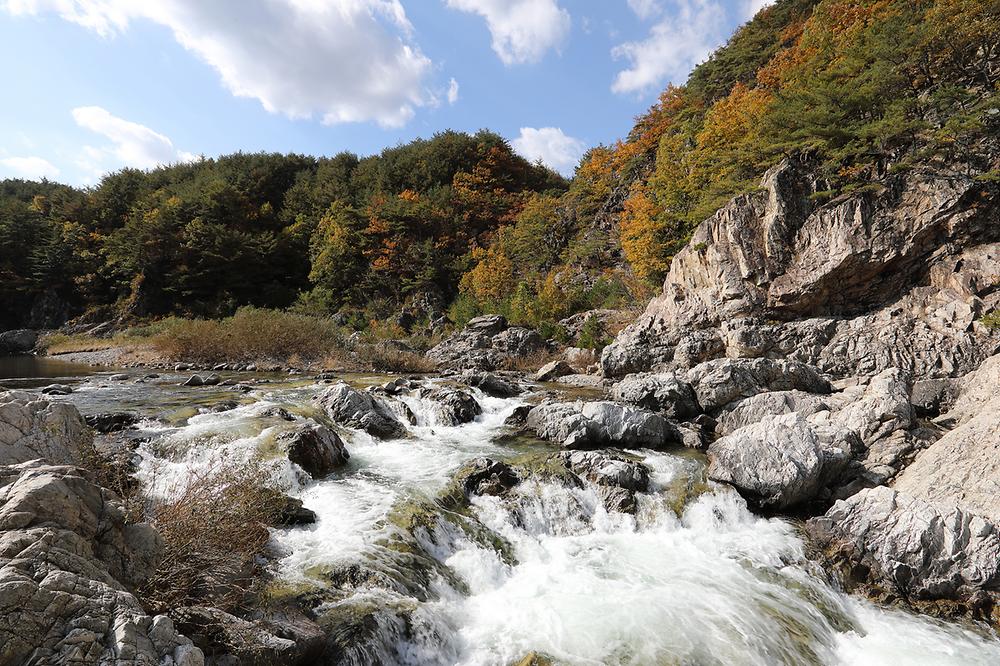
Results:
[55, 389]
[194, 380]
[118, 377]
[663, 393]
[316, 449]
[589, 425]
[358, 409]
[722, 381]
[553, 370]
[452, 406]
[491, 384]
[106, 422]
[32, 427]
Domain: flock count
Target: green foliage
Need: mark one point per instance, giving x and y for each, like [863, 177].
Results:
[991, 320]
[592, 335]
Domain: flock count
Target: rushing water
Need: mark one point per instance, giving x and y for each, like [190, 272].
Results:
[692, 578]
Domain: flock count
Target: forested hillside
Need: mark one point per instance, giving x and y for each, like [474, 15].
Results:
[857, 88]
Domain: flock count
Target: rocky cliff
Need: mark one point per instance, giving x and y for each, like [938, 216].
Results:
[897, 275]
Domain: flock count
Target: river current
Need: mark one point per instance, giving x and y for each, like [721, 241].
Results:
[692, 578]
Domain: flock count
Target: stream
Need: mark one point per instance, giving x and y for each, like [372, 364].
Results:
[692, 578]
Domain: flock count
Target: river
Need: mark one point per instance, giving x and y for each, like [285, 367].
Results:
[692, 578]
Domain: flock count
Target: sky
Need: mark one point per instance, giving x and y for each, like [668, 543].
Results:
[92, 86]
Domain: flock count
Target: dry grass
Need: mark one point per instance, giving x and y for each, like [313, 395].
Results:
[59, 343]
[530, 363]
[215, 531]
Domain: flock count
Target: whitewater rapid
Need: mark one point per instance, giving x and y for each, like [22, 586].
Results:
[693, 578]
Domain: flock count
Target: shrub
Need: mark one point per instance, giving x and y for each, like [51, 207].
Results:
[991, 320]
[592, 335]
[215, 529]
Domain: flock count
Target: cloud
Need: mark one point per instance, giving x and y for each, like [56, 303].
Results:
[550, 145]
[340, 60]
[751, 7]
[522, 30]
[674, 46]
[645, 9]
[452, 91]
[133, 144]
[32, 168]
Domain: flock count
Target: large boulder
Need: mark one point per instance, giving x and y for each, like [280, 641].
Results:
[32, 427]
[862, 283]
[751, 410]
[588, 425]
[616, 477]
[451, 406]
[490, 384]
[720, 382]
[909, 547]
[553, 370]
[67, 557]
[878, 408]
[486, 343]
[19, 341]
[781, 461]
[315, 448]
[664, 393]
[358, 409]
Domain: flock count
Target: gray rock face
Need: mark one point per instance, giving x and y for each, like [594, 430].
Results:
[855, 286]
[781, 461]
[553, 370]
[751, 410]
[911, 546]
[877, 409]
[19, 341]
[962, 468]
[720, 382]
[663, 393]
[586, 425]
[65, 552]
[32, 427]
[452, 407]
[976, 390]
[485, 343]
[357, 409]
[316, 449]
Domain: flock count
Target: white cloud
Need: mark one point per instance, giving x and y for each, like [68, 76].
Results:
[341, 60]
[32, 168]
[452, 91]
[645, 9]
[550, 145]
[522, 30]
[751, 7]
[674, 46]
[133, 144]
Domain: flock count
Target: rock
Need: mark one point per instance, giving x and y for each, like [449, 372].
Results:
[194, 380]
[962, 468]
[863, 283]
[212, 380]
[224, 406]
[580, 358]
[106, 422]
[583, 381]
[119, 377]
[491, 384]
[32, 427]
[272, 641]
[909, 546]
[274, 412]
[315, 448]
[18, 341]
[932, 397]
[877, 409]
[67, 558]
[976, 390]
[663, 393]
[484, 476]
[618, 479]
[293, 513]
[452, 407]
[486, 343]
[55, 389]
[751, 410]
[722, 381]
[357, 409]
[519, 417]
[553, 370]
[781, 461]
[598, 424]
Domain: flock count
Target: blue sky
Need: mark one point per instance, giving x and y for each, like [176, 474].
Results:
[94, 85]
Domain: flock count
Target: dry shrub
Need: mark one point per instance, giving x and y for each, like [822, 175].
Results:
[214, 529]
[252, 334]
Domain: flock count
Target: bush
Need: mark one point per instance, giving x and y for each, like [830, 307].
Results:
[215, 529]
[991, 320]
[592, 335]
[252, 334]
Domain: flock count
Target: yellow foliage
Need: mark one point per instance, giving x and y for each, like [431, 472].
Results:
[640, 234]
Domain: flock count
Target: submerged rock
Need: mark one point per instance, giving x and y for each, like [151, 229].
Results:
[357, 409]
[315, 448]
[485, 476]
[618, 478]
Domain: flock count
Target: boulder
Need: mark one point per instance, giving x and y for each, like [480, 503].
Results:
[19, 341]
[357, 409]
[720, 382]
[586, 425]
[106, 422]
[490, 384]
[67, 558]
[617, 478]
[553, 370]
[315, 448]
[933, 397]
[781, 461]
[878, 408]
[32, 427]
[486, 343]
[579, 358]
[962, 468]
[282, 639]
[664, 393]
[55, 389]
[910, 547]
[119, 377]
[485, 476]
[194, 380]
[751, 410]
[452, 407]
